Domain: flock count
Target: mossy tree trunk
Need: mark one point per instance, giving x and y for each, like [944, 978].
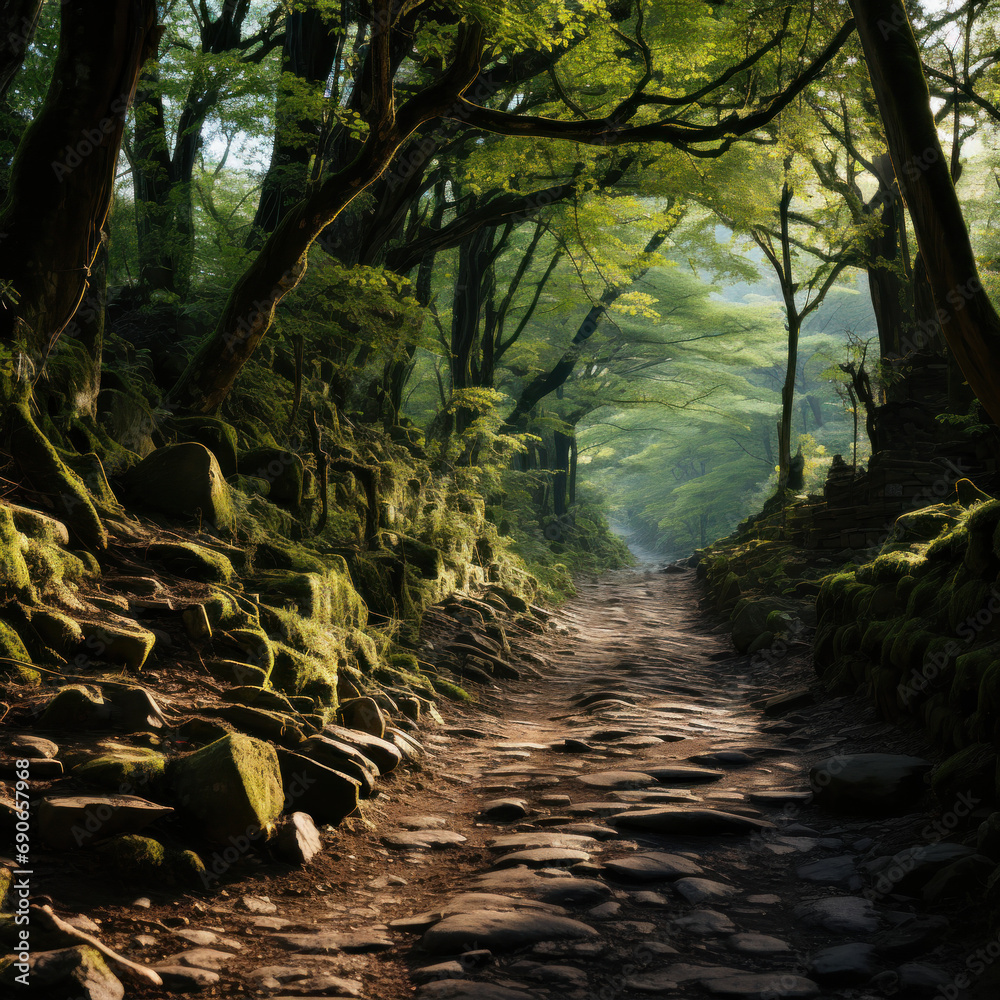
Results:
[62, 183]
[968, 319]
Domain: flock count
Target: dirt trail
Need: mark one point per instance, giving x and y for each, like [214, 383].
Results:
[761, 892]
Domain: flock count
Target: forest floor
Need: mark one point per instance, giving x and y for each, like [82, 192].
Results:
[553, 893]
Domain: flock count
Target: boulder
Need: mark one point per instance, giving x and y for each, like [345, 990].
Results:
[145, 860]
[364, 715]
[194, 562]
[80, 973]
[233, 786]
[326, 794]
[183, 480]
[76, 706]
[749, 620]
[283, 470]
[340, 757]
[297, 840]
[869, 782]
[117, 641]
[380, 752]
[216, 435]
[124, 769]
[70, 821]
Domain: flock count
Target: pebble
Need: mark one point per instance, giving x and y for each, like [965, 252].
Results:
[617, 779]
[845, 964]
[424, 840]
[542, 857]
[703, 890]
[690, 821]
[705, 923]
[505, 810]
[259, 905]
[839, 915]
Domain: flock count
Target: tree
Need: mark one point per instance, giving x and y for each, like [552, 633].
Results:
[281, 262]
[53, 219]
[968, 319]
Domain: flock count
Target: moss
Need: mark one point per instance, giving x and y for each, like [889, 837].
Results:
[968, 600]
[125, 770]
[12, 648]
[126, 643]
[145, 860]
[970, 669]
[903, 590]
[971, 771]
[891, 567]
[298, 673]
[910, 646]
[56, 630]
[74, 707]
[926, 524]
[228, 611]
[15, 580]
[232, 785]
[192, 561]
[949, 546]
[234, 672]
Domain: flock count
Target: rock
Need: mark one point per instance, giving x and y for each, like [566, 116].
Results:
[845, 964]
[330, 942]
[559, 976]
[201, 958]
[124, 769]
[963, 879]
[32, 747]
[780, 796]
[542, 857]
[183, 480]
[283, 470]
[919, 980]
[504, 810]
[364, 715]
[703, 890]
[617, 779]
[143, 859]
[260, 905]
[828, 871]
[117, 640]
[381, 753]
[705, 923]
[653, 866]
[689, 822]
[734, 758]
[562, 891]
[297, 840]
[76, 706]
[133, 708]
[757, 944]
[66, 822]
[749, 620]
[541, 839]
[788, 701]
[679, 774]
[839, 915]
[911, 869]
[422, 822]
[423, 840]
[338, 757]
[326, 794]
[467, 989]
[869, 782]
[216, 435]
[80, 973]
[913, 938]
[500, 932]
[233, 786]
[762, 986]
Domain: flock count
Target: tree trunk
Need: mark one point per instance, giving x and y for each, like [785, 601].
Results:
[309, 51]
[968, 319]
[560, 478]
[62, 182]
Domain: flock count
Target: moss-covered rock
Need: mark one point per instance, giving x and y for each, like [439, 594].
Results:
[75, 706]
[183, 480]
[232, 786]
[117, 641]
[15, 581]
[78, 972]
[195, 562]
[364, 715]
[970, 772]
[926, 524]
[283, 470]
[125, 770]
[145, 860]
[325, 793]
[56, 630]
[216, 435]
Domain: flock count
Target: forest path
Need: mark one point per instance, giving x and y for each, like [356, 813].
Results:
[554, 892]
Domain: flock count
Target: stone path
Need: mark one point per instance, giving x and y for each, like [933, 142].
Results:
[632, 826]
